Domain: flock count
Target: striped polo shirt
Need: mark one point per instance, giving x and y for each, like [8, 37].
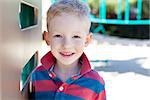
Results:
[87, 85]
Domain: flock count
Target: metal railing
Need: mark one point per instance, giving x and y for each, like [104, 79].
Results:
[118, 21]
[102, 14]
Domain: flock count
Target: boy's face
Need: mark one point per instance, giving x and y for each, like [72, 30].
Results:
[67, 38]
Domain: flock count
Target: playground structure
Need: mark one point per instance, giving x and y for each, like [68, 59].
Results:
[119, 21]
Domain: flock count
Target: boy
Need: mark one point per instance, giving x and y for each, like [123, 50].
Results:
[65, 73]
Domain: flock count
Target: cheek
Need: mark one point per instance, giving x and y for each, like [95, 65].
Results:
[55, 43]
[79, 43]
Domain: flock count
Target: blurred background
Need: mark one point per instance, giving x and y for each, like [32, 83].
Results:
[131, 10]
[119, 51]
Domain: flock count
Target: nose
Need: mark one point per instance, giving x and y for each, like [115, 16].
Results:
[67, 43]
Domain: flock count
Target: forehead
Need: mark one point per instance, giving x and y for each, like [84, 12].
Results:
[68, 23]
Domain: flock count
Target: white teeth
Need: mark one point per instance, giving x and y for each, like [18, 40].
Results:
[66, 53]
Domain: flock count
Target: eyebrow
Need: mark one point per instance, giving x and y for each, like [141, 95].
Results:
[77, 32]
[55, 32]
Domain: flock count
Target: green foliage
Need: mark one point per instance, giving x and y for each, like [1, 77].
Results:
[94, 5]
[145, 9]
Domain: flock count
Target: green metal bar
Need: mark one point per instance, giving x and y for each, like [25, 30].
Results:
[53, 1]
[121, 22]
[100, 28]
[102, 9]
[84, 0]
[127, 10]
[139, 7]
[119, 9]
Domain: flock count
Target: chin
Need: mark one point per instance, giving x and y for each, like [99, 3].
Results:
[66, 62]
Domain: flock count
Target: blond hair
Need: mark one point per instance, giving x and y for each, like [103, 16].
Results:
[75, 7]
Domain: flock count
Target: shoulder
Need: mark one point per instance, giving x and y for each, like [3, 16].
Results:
[95, 81]
[39, 68]
[38, 71]
[95, 76]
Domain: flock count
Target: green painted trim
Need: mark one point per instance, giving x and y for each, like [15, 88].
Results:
[84, 0]
[53, 1]
[127, 10]
[100, 28]
[115, 21]
[119, 9]
[139, 9]
[102, 9]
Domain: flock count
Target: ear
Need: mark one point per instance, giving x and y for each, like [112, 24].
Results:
[46, 37]
[89, 39]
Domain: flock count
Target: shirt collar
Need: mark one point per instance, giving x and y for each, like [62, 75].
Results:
[49, 60]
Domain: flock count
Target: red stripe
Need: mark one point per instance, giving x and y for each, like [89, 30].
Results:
[95, 76]
[40, 68]
[81, 92]
[44, 85]
[101, 96]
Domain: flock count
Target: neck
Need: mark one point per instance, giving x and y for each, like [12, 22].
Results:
[74, 67]
[66, 71]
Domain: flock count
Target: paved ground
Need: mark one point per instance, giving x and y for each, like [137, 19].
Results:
[123, 63]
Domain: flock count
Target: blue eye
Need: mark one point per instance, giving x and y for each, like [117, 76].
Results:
[76, 36]
[57, 36]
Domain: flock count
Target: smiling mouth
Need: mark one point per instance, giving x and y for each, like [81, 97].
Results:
[66, 54]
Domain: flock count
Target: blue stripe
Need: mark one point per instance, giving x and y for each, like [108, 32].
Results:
[40, 75]
[62, 96]
[55, 96]
[44, 95]
[89, 83]
[43, 75]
